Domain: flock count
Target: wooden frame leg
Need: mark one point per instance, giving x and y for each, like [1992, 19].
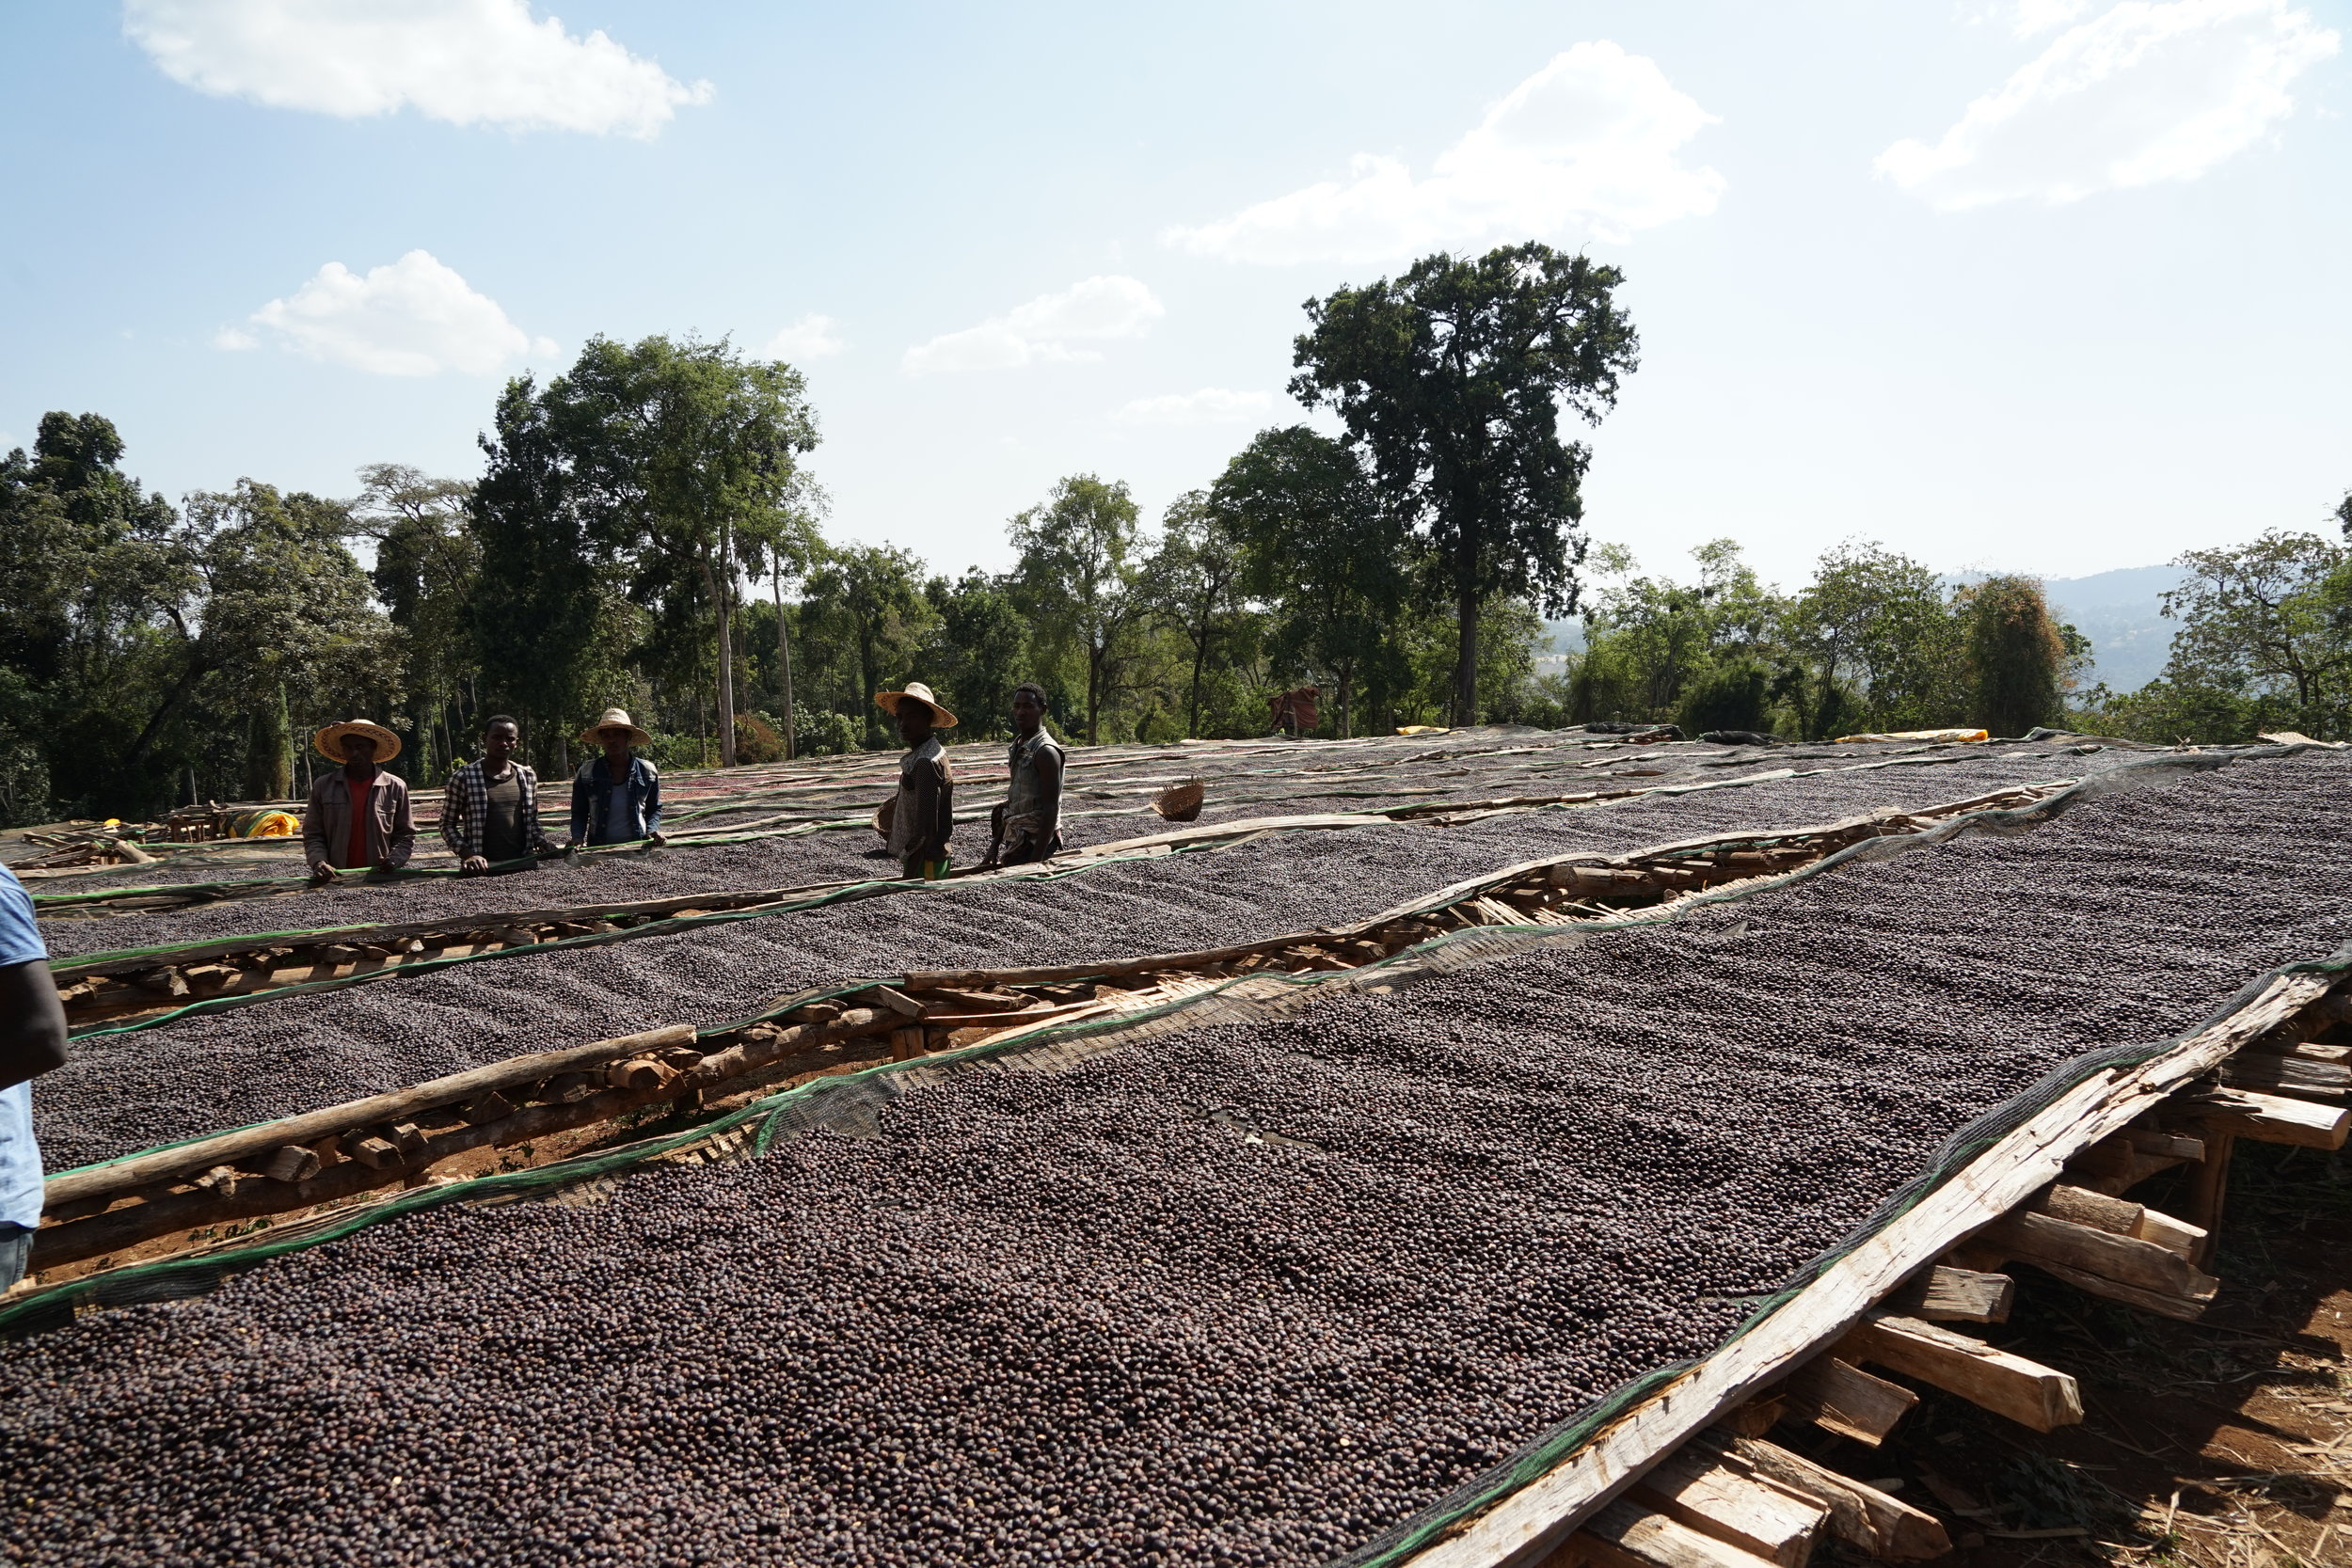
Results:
[2210, 1189]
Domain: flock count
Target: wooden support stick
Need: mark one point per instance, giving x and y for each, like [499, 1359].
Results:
[2210, 1190]
[2025, 1391]
[2273, 1118]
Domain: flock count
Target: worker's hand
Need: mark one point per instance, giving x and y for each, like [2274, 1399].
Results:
[322, 872]
[386, 867]
[655, 840]
[996, 819]
[474, 863]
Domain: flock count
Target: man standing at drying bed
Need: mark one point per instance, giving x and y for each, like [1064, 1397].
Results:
[1028, 825]
[32, 1042]
[490, 814]
[357, 815]
[922, 817]
[616, 798]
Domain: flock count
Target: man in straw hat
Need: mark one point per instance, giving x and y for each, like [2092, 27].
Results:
[616, 798]
[1028, 825]
[357, 814]
[923, 815]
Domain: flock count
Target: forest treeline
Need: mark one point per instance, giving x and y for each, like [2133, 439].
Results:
[646, 532]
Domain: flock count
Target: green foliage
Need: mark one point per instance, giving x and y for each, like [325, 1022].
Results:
[977, 651]
[872, 593]
[1451, 379]
[1315, 543]
[1881, 625]
[1735, 694]
[2016, 655]
[1078, 575]
[756, 739]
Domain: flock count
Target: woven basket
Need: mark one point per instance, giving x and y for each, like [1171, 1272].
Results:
[1181, 803]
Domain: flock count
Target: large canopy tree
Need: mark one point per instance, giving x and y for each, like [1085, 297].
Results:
[677, 449]
[1452, 380]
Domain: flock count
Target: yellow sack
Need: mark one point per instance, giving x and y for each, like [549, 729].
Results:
[268, 823]
[1919, 735]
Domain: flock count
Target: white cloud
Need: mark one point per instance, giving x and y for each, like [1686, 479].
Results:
[235, 338]
[1585, 146]
[1209, 405]
[810, 338]
[465, 61]
[415, 317]
[2144, 93]
[2026, 18]
[1044, 328]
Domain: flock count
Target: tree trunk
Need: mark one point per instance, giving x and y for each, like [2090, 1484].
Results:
[1465, 671]
[722, 585]
[873, 680]
[1094, 691]
[1200, 658]
[1348, 683]
[784, 663]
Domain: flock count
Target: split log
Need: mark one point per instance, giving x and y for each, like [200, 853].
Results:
[1947, 1295]
[1625, 1535]
[293, 1163]
[1719, 1495]
[1839, 1397]
[2288, 1075]
[1860, 1515]
[2089, 1256]
[2272, 1119]
[2025, 1391]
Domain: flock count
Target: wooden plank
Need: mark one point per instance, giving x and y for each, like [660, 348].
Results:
[1717, 1494]
[2029, 1157]
[1946, 1295]
[2185, 1308]
[1626, 1536]
[2007, 1385]
[1860, 1515]
[1839, 1397]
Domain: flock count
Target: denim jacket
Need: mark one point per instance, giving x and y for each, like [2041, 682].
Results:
[593, 783]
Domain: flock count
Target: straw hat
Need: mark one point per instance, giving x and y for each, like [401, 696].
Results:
[330, 740]
[614, 719]
[941, 718]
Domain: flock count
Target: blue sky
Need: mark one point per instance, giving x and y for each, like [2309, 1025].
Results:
[2055, 287]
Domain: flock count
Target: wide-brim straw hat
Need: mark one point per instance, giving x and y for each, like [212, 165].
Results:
[888, 702]
[614, 719]
[330, 740]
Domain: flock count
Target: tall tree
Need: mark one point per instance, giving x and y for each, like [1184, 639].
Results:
[676, 448]
[2269, 624]
[1451, 379]
[426, 561]
[542, 614]
[1319, 547]
[2016, 655]
[1882, 621]
[1193, 579]
[792, 536]
[1078, 571]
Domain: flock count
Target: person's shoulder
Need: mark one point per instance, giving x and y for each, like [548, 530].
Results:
[646, 763]
[13, 889]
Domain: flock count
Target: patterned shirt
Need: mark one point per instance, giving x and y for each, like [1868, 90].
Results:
[466, 810]
[1032, 809]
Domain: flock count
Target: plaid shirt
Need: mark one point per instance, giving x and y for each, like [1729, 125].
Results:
[466, 810]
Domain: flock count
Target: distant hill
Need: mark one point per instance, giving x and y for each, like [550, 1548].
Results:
[2121, 612]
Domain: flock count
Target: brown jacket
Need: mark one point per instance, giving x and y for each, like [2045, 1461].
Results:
[326, 820]
[925, 813]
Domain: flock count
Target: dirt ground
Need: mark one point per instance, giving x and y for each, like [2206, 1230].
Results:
[2220, 1444]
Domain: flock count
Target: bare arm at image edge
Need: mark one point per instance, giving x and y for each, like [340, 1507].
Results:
[32, 1023]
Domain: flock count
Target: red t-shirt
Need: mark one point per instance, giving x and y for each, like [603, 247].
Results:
[362, 792]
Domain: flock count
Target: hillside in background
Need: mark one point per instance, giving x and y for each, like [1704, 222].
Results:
[2121, 612]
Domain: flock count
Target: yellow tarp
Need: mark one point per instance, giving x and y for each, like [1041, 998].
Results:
[268, 824]
[1423, 729]
[1919, 735]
